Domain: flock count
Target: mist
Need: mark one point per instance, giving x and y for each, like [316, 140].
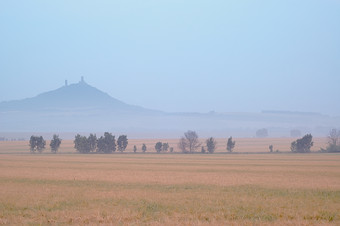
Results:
[171, 56]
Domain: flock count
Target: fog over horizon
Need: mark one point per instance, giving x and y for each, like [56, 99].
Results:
[66, 83]
[175, 56]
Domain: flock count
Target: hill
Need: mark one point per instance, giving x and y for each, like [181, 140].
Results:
[74, 97]
[82, 108]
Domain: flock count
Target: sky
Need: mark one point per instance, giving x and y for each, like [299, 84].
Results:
[177, 56]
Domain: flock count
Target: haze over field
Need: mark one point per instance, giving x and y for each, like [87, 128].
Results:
[82, 108]
[170, 112]
[175, 56]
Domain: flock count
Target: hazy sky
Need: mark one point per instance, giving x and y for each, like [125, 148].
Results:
[227, 56]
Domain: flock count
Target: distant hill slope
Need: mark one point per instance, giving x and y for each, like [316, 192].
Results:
[80, 96]
[83, 108]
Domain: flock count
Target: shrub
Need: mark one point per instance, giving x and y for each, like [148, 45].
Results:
[302, 145]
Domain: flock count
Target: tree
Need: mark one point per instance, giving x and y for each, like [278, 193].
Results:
[190, 142]
[230, 144]
[262, 133]
[55, 143]
[37, 144]
[334, 137]
[211, 144]
[271, 148]
[203, 150]
[106, 143]
[159, 146]
[122, 143]
[171, 149]
[92, 139]
[134, 148]
[144, 148]
[82, 144]
[193, 142]
[333, 141]
[183, 145]
[165, 147]
[302, 145]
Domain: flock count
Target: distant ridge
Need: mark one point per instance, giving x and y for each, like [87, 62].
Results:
[80, 107]
[79, 96]
[291, 113]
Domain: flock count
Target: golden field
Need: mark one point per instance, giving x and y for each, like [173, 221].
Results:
[172, 189]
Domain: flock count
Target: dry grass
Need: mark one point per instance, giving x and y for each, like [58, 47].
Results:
[175, 189]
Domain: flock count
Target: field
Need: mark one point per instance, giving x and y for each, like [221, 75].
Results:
[173, 189]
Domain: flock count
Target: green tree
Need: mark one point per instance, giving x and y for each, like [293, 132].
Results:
[55, 143]
[171, 149]
[165, 147]
[82, 144]
[203, 150]
[134, 148]
[122, 143]
[271, 148]
[106, 143]
[159, 146]
[302, 145]
[230, 144]
[92, 139]
[144, 148]
[211, 144]
[37, 144]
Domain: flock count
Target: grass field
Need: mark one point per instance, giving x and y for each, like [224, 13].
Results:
[171, 189]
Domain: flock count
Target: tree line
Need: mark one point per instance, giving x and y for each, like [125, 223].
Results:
[189, 143]
[105, 144]
[37, 144]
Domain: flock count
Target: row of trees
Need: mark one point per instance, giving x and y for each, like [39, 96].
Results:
[163, 147]
[107, 144]
[37, 144]
[190, 143]
[104, 144]
[144, 148]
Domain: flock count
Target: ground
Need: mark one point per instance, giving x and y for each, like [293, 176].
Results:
[177, 189]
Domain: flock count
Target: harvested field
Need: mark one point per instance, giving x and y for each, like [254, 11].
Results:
[219, 189]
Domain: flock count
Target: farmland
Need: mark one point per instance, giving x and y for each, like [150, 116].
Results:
[69, 188]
